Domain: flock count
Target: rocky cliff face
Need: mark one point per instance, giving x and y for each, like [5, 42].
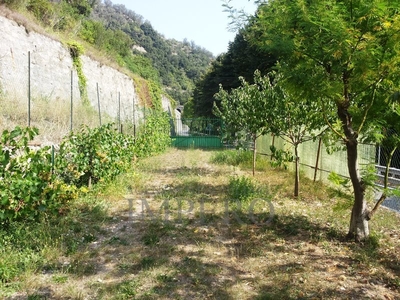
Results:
[53, 75]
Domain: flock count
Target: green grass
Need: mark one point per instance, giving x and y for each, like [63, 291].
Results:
[29, 247]
[94, 250]
[233, 157]
[241, 188]
[241, 158]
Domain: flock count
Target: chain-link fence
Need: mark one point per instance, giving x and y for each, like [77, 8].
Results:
[316, 163]
[45, 91]
[196, 132]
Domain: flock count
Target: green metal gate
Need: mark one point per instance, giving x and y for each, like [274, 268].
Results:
[196, 133]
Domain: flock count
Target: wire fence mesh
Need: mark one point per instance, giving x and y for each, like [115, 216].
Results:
[316, 163]
[39, 94]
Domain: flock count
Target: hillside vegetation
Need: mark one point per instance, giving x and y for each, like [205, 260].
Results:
[179, 64]
[120, 36]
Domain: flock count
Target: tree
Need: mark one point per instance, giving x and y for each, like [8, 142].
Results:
[389, 117]
[218, 74]
[245, 110]
[297, 120]
[241, 60]
[266, 106]
[82, 7]
[345, 55]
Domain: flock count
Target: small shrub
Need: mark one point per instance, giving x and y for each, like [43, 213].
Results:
[41, 9]
[126, 290]
[154, 134]
[233, 157]
[93, 155]
[28, 186]
[241, 188]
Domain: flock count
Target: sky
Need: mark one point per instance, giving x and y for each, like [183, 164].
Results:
[202, 21]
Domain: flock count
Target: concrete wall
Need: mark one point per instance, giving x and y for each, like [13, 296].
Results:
[51, 63]
[51, 70]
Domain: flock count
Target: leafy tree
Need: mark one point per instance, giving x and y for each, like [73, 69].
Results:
[291, 123]
[41, 9]
[81, 7]
[266, 106]
[220, 72]
[389, 118]
[345, 55]
[245, 110]
[241, 60]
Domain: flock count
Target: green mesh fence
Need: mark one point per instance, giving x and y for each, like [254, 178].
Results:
[319, 166]
[196, 133]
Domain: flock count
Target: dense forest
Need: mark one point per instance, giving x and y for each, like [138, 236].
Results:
[242, 59]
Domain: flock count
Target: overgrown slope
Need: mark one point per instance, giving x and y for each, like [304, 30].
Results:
[123, 37]
[179, 64]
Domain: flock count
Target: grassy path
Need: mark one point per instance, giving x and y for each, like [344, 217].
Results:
[173, 233]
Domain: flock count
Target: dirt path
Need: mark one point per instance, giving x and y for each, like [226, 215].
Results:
[181, 239]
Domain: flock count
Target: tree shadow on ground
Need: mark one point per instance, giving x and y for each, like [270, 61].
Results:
[179, 269]
[173, 262]
[184, 171]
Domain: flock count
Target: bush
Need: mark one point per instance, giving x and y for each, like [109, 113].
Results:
[33, 183]
[93, 155]
[154, 135]
[41, 9]
[28, 186]
[241, 188]
[233, 157]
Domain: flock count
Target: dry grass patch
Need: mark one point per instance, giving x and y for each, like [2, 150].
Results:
[193, 242]
[54, 124]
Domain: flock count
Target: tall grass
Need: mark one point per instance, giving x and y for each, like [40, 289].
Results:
[40, 246]
[51, 116]
[240, 158]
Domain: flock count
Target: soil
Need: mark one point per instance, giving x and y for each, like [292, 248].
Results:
[201, 251]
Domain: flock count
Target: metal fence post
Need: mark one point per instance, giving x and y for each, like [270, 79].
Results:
[98, 101]
[134, 118]
[317, 161]
[72, 100]
[119, 112]
[29, 88]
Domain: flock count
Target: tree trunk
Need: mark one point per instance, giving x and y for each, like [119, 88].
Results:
[296, 172]
[359, 214]
[254, 154]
